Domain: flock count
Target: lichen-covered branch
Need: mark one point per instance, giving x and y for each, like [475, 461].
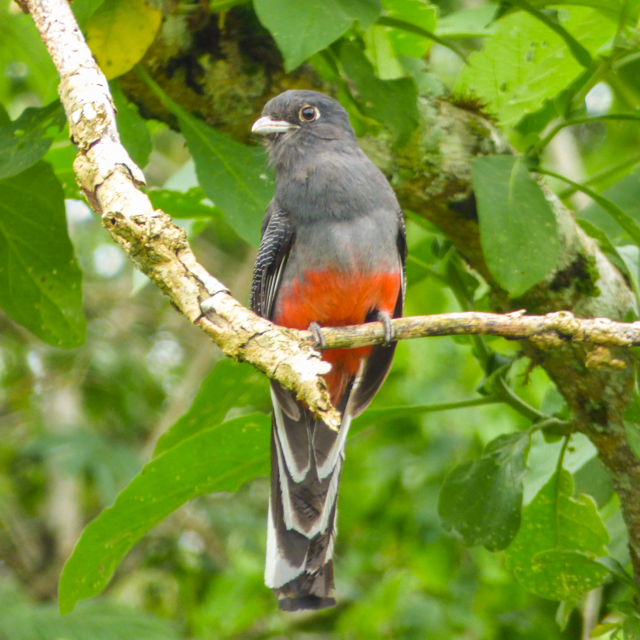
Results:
[111, 182]
[546, 332]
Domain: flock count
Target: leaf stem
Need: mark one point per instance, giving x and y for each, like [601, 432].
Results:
[603, 175]
[584, 120]
[506, 394]
[560, 463]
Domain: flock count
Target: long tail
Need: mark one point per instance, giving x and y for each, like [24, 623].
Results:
[306, 461]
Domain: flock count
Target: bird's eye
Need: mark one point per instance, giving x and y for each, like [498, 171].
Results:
[308, 114]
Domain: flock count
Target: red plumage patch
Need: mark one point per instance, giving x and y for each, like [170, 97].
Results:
[337, 299]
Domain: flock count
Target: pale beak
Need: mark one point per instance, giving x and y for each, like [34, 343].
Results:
[266, 125]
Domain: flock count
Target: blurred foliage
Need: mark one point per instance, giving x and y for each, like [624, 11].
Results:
[464, 414]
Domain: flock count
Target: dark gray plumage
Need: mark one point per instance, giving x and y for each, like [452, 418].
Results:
[332, 252]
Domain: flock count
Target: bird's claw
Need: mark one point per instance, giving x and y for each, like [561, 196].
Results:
[389, 333]
[315, 329]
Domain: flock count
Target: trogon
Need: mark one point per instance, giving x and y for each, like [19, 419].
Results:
[332, 254]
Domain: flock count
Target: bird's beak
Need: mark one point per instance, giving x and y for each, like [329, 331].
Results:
[266, 125]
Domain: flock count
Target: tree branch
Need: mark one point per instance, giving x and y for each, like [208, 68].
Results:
[546, 332]
[111, 182]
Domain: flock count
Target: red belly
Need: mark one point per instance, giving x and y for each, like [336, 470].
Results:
[336, 299]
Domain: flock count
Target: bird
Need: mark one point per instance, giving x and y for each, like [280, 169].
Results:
[332, 253]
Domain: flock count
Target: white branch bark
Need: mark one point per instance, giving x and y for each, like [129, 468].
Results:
[111, 181]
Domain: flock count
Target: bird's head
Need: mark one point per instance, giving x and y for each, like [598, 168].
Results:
[299, 116]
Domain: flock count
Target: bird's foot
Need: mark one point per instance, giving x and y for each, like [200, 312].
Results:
[314, 327]
[389, 333]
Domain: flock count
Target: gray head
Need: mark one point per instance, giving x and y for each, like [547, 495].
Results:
[299, 118]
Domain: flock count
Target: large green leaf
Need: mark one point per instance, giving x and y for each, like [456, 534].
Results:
[302, 28]
[230, 385]
[221, 458]
[524, 63]
[554, 553]
[581, 55]
[481, 499]
[391, 102]
[25, 140]
[518, 229]
[234, 176]
[40, 282]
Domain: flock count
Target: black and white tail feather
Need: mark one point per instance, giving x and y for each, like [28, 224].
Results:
[306, 462]
[306, 455]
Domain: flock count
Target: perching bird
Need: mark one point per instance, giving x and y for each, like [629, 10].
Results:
[332, 253]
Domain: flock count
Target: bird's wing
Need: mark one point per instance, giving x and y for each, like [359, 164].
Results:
[377, 365]
[275, 245]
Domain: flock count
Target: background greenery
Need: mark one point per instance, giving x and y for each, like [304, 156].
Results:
[91, 380]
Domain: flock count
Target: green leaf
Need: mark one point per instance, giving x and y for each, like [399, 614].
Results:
[566, 574]
[524, 63]
[632, 423]
[301, 29]
[391, 102]
[61, 157]
[468, 23]
[603, 629]
[625, 194]
[4, 116]
[192, 203]
[617, 570]
[631, 628]
[20, 44]
[40, 282]
[577, 50]
[133, 131]
[518, 229]
[481, 499]
[625, 221]
[119, 32]
[416, 13]
[563, 614]
[232, 175]
[221, 458]
[84, 9]
[230, 385]
[554, 553]
[402, 25]
[612, 9]
[25, 140]
[98, 621]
